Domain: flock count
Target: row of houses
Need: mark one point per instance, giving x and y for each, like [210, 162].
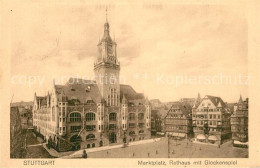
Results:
[207, 120]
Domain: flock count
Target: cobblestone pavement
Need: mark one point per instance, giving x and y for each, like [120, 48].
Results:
[185, 149]
[179, 149]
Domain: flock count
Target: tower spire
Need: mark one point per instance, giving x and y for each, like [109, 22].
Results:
[240, 99]
[106, 14]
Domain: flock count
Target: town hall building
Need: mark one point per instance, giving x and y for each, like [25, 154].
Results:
[86, 113]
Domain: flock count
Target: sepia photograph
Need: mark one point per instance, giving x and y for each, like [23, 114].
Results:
[141, 80]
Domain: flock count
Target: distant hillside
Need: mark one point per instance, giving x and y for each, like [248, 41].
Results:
[22, 103]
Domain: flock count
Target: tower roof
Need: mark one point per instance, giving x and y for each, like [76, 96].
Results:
[240, 99]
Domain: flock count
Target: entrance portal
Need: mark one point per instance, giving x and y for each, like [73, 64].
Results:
[112, 137]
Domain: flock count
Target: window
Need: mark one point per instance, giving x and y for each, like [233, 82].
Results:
[214, 123]
[140, 116]
[53, 113]
[131, 116]
[75, 128]
[90, 127]
[131, 133]
[214, 116]
[210, 116]
[75, 138]
[112, 117]
[90, 137]
[75, 117]
[112, 126]
[112, 98]
[141, 132]
[218, 116]
[131, 125]
[90, 116]
[90, 102]
[141, 125]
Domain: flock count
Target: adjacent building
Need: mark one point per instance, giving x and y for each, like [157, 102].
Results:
[178, 121]
[85, 113]
[211, 120]
[15, 133]
[25, 110]
[157, 121]
[239, 123]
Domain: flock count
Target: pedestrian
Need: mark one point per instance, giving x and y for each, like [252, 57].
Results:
[84, 155]
[148, 154]
[156, 152]
[133, 154]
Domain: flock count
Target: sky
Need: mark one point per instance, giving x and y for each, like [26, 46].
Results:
[167, 52]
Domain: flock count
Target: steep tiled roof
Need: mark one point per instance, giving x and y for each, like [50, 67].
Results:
[86, 89]
[129, 93]
[80, 89]
[185, 108]
[216, 100]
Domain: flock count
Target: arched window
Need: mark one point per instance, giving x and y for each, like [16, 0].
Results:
[112, 98]
[75, 117]
[141, 132]
[90, 137]
[112, 117]
[90, 116]
[131, 133]
[93, 145]
[75, 138]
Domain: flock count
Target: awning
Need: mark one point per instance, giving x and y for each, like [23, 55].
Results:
[201, 137]
[212, 138]
[182, 135]
[240, 143]
[175, 134]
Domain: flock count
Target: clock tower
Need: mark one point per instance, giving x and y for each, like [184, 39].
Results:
[107, 69]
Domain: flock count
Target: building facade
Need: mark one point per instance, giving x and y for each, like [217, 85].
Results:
[211, 120]
[239, 122]
[16, 140]
[157, 122]
[178, 121]
[85, 114]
